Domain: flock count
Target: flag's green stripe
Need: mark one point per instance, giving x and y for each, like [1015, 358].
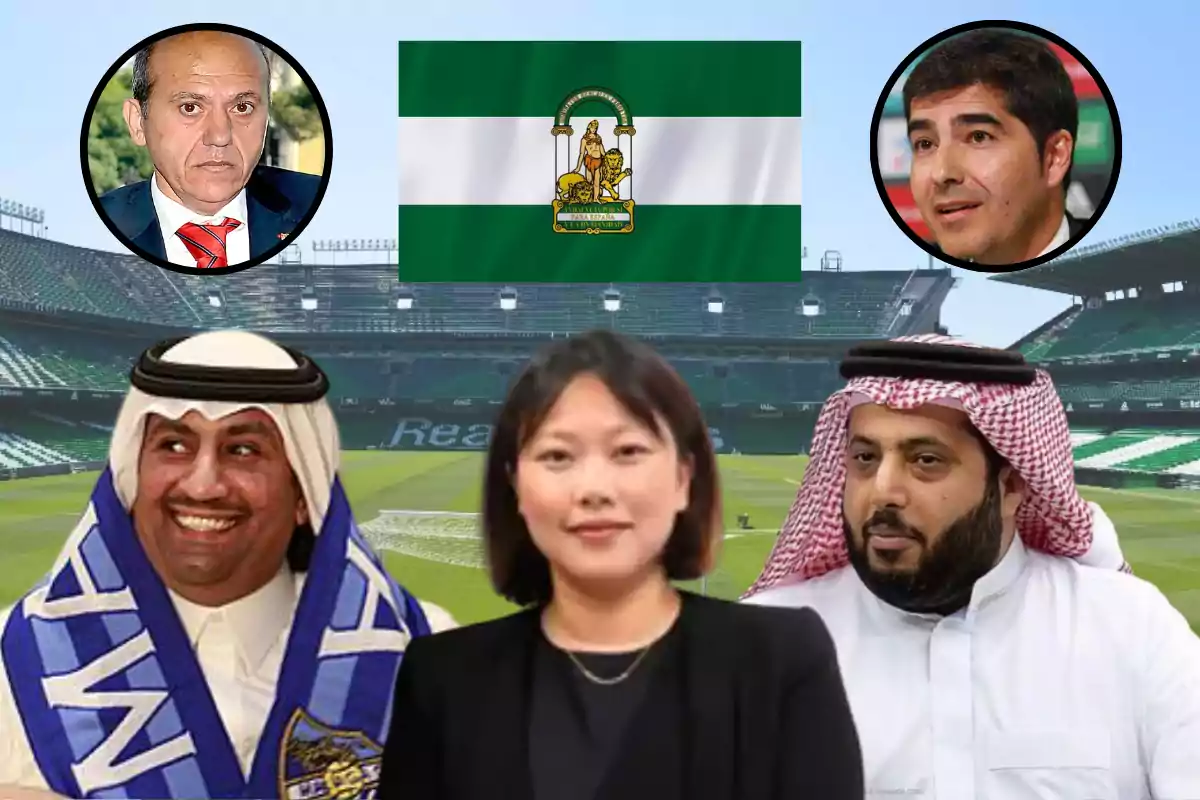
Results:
[747, 244]
[659, 79]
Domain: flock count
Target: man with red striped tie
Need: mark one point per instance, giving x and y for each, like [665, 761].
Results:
[200, 106]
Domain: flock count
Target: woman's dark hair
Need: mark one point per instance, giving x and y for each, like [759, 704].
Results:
[1036, 87]
[650, 390]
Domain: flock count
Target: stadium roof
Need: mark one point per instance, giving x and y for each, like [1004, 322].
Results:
[1157, 255]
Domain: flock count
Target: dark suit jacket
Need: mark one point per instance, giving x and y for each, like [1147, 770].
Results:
[276, 201]
[1074, 226]
[753, 708]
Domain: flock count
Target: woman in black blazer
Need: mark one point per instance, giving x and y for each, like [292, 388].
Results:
[600, 490]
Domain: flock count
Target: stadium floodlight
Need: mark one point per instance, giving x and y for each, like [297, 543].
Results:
[404, 299]
[612, 300]
[290, 255]
[215, 298]
[715, 304]
[27, 213]
[508, 299]
[308, 300]
[354, 245]
[831, 261]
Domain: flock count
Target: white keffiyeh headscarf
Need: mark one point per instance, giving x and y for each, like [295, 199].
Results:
[309, 431]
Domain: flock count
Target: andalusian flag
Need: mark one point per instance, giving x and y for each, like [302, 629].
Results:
[599, 161]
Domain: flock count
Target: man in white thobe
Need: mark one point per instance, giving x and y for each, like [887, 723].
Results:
[993, 644]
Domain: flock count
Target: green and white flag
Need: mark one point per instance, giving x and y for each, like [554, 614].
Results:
[599, 161]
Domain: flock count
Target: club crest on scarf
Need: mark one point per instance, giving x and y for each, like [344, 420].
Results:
[318, 762]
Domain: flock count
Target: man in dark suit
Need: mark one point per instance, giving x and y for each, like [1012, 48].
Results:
[200, 106]
[992, 119]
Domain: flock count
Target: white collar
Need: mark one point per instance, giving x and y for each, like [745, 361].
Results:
[256, 619]
[991, 586]
[1060, 238]
[172, 215]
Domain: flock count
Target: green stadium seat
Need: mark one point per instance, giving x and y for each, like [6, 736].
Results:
[1150, 323]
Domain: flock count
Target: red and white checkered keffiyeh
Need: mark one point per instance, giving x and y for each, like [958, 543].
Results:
[1025, 424]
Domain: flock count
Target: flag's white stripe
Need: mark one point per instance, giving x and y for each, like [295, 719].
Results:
[675, 160]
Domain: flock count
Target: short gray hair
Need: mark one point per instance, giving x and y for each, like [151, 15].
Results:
[142, 82]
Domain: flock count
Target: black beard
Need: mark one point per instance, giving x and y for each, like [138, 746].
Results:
[947, 571]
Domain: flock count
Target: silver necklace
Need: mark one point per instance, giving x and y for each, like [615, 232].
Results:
[594, 678]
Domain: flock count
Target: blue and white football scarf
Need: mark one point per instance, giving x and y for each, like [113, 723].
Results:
[114, 703]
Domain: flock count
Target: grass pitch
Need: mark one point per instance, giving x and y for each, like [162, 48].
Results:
[1159, 529]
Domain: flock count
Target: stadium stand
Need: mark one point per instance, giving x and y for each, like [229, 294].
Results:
[362, 298]
[854, 305]
[43, 356]
[1126, 326]
[58, 438]
[22, 451]
[1135, 294]
[73, 319]
[1123, 355]
[39, 357]
[1173, 389]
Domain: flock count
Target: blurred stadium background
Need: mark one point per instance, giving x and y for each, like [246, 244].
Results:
[418, 370]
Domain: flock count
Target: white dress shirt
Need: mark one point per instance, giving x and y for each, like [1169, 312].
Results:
[1057, 681]
[1060, 238]
[240, 648]
[172, 216]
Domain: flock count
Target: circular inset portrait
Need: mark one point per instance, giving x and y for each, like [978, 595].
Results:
[995, 146]
[206, 149]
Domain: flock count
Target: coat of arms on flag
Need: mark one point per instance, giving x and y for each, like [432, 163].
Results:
[714, 129]
[589, 198]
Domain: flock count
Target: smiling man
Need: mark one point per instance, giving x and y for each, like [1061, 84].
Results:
[200, 106]
[992, 118]
[991, 639]
[215, 626]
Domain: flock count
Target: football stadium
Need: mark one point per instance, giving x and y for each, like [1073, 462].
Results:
[418, 370]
